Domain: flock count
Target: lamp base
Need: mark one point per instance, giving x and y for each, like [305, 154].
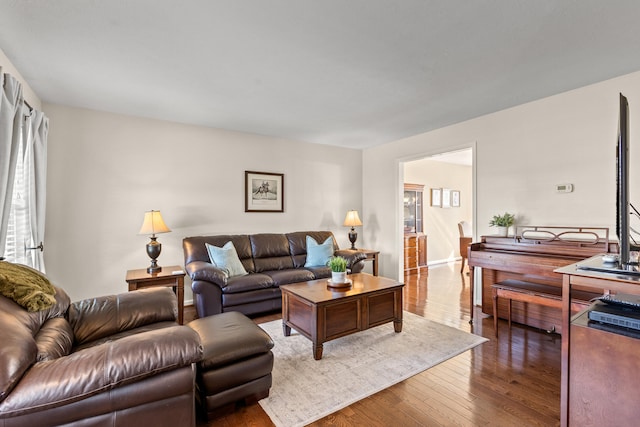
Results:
[153, 250]
[154, 268]
[353, 236]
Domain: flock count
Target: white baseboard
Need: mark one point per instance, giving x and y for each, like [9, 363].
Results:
[443, 261]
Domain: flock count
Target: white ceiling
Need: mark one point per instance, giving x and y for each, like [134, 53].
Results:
[354, 73]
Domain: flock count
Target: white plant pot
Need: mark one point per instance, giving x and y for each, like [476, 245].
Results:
[339, 277]
[503, 231]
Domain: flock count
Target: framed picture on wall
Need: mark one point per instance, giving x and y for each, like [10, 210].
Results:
[446, 198]
[455, 198]
[263, 192]
[436, 197]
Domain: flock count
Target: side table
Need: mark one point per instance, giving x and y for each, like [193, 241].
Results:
[140, 279]
[371, 256]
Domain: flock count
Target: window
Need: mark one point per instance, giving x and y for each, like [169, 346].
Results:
[18, 234]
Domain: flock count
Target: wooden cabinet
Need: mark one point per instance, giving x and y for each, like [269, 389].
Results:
[415, 242]
[413, 208]
[415, 253]
[600, 369]
[604, 376]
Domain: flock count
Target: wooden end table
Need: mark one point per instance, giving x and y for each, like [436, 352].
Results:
[322, 313]
[140, 279]
[373, 257]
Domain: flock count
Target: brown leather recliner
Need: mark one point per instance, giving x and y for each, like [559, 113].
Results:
[118, 360]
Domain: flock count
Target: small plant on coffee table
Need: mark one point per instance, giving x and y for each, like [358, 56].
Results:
[337, 264]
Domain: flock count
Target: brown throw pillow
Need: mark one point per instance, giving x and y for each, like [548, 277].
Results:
[26, 286]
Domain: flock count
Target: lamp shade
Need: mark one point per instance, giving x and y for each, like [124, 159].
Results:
[153, 224]
[352, 219]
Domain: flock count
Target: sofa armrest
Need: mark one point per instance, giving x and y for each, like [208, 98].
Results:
[97, 369]
[96, 318]
[353, 256]
[200, 270]
[355, 259]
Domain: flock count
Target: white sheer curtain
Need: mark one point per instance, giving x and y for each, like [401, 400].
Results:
[35, 177]
[24, 184]
[10, 123]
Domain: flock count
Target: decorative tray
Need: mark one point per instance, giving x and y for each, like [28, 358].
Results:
[346, 284]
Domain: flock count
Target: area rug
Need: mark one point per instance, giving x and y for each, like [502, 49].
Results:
[353, 367]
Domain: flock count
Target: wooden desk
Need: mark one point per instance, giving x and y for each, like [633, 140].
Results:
[373, 257]
[595, 386]
[140, 279]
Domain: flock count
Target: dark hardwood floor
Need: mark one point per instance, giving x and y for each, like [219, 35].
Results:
[513, 381]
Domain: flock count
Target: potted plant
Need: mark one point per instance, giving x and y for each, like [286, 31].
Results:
[503, 222]
[338, 266]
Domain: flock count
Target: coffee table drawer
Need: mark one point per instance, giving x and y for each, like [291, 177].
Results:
[300, 316]
[381, 308]
[342, 319]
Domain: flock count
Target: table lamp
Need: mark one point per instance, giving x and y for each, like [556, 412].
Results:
[152, 225]
[352, 220]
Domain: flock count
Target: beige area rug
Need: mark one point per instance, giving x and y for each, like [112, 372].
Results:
[353, 367]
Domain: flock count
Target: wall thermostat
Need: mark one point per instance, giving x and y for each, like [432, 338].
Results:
[564, 188]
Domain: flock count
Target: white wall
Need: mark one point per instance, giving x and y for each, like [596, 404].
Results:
[522, 152]
[441, 224]
[106, 170]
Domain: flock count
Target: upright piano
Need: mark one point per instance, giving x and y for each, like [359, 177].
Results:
[532, 255]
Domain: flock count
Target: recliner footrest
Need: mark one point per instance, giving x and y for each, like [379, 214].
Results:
[237, 361]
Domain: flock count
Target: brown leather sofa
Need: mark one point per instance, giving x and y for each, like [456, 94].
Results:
[270, 259]
[118, 360]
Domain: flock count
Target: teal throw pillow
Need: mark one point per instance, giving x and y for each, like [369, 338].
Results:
[226, 258]
[318, 254]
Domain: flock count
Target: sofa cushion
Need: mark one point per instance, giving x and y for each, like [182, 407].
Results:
[195, 248]
[249, 282]
[226, 258]
[284, 277]
[298, 244]
[55, 339]
[318, 254]
[26, 286]
[270, 252]
[320, 272]
[228, 338]
[95, 318]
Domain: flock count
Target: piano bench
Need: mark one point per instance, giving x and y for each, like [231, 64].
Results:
[535, 293]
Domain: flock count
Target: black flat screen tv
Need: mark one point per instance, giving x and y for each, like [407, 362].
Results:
[622, 183]
[624, 264]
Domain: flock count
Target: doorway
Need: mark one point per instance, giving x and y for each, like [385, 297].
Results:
[448, 198]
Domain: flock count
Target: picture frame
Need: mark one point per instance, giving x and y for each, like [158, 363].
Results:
[436, 197]
[455, 198]
[446, 198]
[263, 192]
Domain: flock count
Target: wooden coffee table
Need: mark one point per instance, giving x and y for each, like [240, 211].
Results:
[322, 313]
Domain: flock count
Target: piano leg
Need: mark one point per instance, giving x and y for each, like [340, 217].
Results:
[495, 310]
[471, 287]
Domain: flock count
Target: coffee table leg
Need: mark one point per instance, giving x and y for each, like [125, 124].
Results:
[397, 325]
[286, 329]
[317, 351]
